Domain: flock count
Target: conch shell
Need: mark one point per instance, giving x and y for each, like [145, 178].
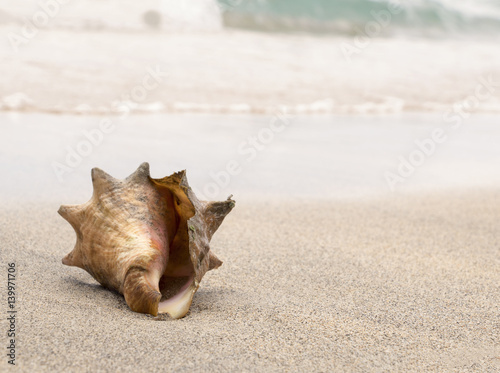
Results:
[146, 238]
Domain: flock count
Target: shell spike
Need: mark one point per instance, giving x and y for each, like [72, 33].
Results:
[179, 178]
[69, 212]
[72, 214]
[214, 262]
[140, 175]
[102, 182]
[183, 178]
[74, 259]
[215, 212]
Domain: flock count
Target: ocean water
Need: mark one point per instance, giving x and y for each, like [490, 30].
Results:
[424, 17]
[250, 56]
[340, 17]
[417, 17]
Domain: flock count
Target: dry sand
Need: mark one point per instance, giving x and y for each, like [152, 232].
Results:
[404, 284]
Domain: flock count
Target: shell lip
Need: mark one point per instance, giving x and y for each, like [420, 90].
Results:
[178, 305]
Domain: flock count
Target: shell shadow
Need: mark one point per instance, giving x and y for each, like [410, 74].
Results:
[210, 299]
[204, 300]
[96, 290]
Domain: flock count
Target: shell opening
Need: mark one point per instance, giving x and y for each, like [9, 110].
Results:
[177, 281]
[178, 305]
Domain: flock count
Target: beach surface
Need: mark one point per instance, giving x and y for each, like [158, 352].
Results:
[401, 284]
[325, 268]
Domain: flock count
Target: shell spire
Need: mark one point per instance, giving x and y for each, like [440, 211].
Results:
[146, 238]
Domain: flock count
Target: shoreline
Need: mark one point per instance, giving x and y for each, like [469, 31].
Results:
[49, 157]
[229, 72]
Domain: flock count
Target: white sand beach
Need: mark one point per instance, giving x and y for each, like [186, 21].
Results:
[407, 284]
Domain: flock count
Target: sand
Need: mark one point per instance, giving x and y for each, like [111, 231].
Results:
[395, 284]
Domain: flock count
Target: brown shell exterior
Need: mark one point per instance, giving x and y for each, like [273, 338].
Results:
[144, 237]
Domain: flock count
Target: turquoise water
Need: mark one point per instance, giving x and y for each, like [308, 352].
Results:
[338, 17]
[352, 16]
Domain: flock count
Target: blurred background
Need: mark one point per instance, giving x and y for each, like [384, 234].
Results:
[302, 98]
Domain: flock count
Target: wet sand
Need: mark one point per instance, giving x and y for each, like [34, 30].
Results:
[49, 157]
[392, 284]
